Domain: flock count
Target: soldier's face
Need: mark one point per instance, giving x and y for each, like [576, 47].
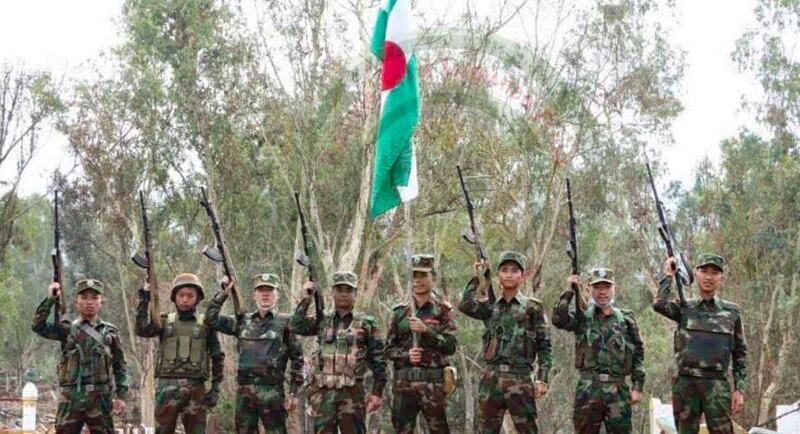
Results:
[422, 282]
[510, 275]
[89, 303]
[603, 293]
[186, 298]
[265, 296]
[343, 297]
[709, 278]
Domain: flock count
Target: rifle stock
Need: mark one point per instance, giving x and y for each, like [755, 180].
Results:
[305, 259]
[682, 275]
[146, 261]
[219, 253]
[484, 291]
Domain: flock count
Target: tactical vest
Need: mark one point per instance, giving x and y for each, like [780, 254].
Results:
[183, 352]
[262, 349]
[704, 339]
[85, 361]
[594, 352]
[342, 353]
[507, 339]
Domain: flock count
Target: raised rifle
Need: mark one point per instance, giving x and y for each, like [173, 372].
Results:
[304, 259]
[219, 253]
[682, 276]
[145, 260]
[572, 252]
[55, 256]
[475, 239]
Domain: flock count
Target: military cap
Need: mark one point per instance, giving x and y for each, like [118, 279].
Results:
[424, 263]
[711, 259]
[345, 278]
[601, 274]
[515, 257]
[186, 279]
[87, 284]
[266, 279]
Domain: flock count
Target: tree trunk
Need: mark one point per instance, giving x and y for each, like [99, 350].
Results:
[469, 394]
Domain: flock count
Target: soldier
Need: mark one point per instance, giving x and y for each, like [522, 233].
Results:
[91, 371]
[516, 333]
[709, 336]
[607, 349]
[186, 345]
[349, 342]
[266, 344]
[419, 370]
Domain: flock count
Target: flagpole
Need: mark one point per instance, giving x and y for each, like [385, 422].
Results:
[409, 253]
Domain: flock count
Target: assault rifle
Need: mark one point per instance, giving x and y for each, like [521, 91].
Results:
[145, 260]
[304, 259]
[682, 276]
[485, 288]
[219, 253]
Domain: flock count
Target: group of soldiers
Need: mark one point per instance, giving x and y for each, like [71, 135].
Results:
[420, 339]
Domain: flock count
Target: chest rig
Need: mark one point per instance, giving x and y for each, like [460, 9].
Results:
[342, 352]
[183, 352]
[605, 347]
[262, 347]
[86, 355]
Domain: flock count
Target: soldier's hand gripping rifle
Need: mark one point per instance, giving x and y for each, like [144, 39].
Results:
[683, 277]
[219, 253]
[572, 252]
[484, 283]
[304, 259]
[146, 261]
[55, 256]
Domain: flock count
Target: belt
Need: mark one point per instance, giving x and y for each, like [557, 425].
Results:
[429, 374]
[180, 381]
[510, 369]
[602, 377]
[89, 387]
[700, 372]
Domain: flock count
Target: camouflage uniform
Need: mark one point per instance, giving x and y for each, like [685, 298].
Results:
[420, 387]
[516, 334]
[185, 347]
[709, 336]
[92, 368]
[266, 344]
[347, 346]
[607, 349]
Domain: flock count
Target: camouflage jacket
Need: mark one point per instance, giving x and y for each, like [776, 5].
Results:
[604, 344]
[145, 328]
[367, 341]
[266, 345]
[709, 335]
[517, 332]
[84, 360]
[437, 342]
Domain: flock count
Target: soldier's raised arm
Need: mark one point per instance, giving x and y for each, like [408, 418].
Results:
[663, 303]
[301, 323]
[144, 326]
[470, 305]
[214, 318]
[563, 317]
[43, 328]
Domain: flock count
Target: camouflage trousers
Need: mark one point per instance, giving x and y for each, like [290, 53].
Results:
[498, 392]
[343, 408]
[78, 408]
[693, 396]
[411, 397]
[598, 403]
[187, 401]
[262, 402]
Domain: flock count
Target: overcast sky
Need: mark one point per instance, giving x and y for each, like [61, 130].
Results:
[60, 36]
